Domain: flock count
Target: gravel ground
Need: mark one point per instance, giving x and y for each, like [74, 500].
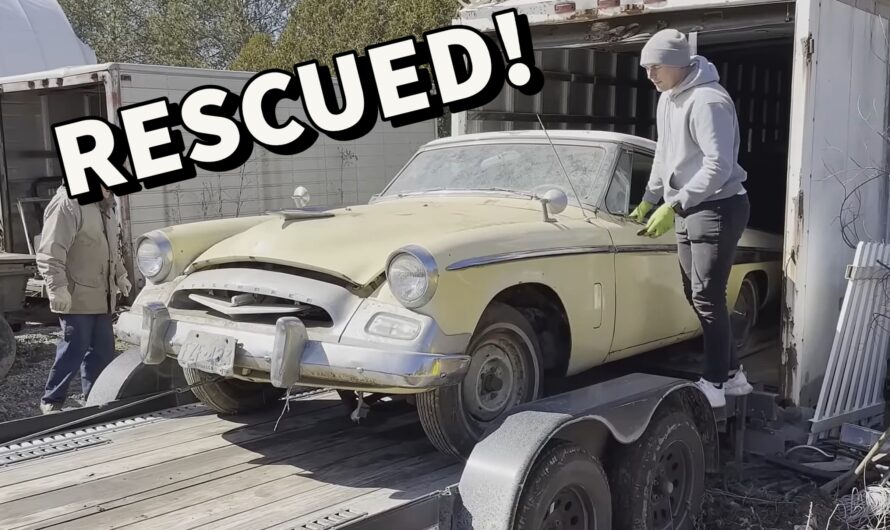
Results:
[787, 502]
[22, 388]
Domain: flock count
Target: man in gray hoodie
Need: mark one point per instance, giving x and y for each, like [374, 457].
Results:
[696, 172]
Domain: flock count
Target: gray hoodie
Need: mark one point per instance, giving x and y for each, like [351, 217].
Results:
[696, 157]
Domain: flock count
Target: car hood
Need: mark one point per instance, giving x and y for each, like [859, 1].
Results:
[353, 243]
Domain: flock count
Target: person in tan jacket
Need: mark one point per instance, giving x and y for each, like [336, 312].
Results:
[78, 258]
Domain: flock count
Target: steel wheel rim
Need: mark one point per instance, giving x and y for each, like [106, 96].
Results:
[491, 386]
[569, 509]
[672, 487]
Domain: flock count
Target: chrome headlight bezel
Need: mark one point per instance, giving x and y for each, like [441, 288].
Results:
[428, 262]
[165, 248]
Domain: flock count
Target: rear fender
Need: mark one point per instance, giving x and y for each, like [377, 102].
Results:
[615, 411]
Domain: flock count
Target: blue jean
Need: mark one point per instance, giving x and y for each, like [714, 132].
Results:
[87, 344]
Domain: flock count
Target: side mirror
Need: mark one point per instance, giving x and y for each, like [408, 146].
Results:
[556, 200]
[301, 197]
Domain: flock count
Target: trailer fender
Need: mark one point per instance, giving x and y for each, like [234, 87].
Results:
[126, 376]
[618, 411]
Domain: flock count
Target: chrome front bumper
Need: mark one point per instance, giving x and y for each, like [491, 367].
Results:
[287, 357]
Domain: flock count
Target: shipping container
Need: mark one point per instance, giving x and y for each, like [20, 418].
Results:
[810, 83]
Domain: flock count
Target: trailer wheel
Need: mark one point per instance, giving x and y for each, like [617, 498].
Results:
[658, 481]
[7, 347]
[566, 489]
[505, 371]
[744, 314]
[232, 396]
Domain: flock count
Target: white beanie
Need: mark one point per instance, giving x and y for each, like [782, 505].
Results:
[668, 47]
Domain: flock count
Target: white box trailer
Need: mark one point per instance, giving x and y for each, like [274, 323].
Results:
[335, 173]
[810, 81]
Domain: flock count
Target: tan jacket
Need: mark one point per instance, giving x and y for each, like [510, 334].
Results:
[78, 251]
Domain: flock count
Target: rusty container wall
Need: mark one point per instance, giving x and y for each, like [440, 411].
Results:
[837, 189]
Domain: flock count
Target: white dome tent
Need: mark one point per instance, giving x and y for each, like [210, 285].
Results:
[35, 35]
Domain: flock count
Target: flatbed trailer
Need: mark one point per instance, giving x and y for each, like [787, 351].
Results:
[306, 465]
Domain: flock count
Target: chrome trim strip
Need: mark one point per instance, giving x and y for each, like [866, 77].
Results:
[638, 249]
[527, 254]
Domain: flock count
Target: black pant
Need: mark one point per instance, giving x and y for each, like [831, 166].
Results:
[707, 236]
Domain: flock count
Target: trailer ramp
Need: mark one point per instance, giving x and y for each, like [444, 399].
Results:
[188, 467]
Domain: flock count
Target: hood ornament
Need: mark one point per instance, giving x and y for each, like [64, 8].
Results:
[301, 199]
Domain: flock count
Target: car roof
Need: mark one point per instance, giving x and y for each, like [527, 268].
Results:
[556, 135]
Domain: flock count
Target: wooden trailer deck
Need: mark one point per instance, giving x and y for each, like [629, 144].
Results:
[188, 467]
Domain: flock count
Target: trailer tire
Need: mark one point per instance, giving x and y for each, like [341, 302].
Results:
[7, 347]
[670, 454]
[504, 350]
[566, 488]
[232, 396]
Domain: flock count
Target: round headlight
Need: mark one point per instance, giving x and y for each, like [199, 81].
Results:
[412, 276]
[154, 257]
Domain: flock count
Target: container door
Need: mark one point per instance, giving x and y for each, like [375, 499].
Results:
[837, 152]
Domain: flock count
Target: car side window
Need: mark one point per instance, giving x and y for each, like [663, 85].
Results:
[620, 187]
[641, 167]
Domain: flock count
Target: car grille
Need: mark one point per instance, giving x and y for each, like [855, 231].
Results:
[249, 307]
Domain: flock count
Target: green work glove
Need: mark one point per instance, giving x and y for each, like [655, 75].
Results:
[661, 221]
[640, 211]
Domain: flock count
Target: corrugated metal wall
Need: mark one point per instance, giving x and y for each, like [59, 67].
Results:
[587, 89]
[584, 89]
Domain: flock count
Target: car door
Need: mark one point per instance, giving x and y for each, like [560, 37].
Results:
[649, 299]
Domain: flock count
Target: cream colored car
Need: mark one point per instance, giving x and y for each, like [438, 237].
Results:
[487, 264]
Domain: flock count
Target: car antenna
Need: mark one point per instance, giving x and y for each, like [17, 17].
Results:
[566, 173]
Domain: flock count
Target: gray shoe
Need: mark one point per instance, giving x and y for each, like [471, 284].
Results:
[50, 408]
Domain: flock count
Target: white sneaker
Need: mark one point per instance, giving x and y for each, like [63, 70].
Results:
[738, 385]
[715, 395]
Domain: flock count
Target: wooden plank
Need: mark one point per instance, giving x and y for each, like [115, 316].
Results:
[241, 509]
[384, 498]
[321, 499]
[220, 436]
[134, 497]
[147, 438]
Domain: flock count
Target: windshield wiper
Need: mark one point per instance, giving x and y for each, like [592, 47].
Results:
[507, 190]
[420, 192]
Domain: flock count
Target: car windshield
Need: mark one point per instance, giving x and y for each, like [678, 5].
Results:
[517, 167]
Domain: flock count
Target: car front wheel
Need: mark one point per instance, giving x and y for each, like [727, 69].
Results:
[505, 371]
[231, 396]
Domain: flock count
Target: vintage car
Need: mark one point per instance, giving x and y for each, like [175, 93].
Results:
[490, 263]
